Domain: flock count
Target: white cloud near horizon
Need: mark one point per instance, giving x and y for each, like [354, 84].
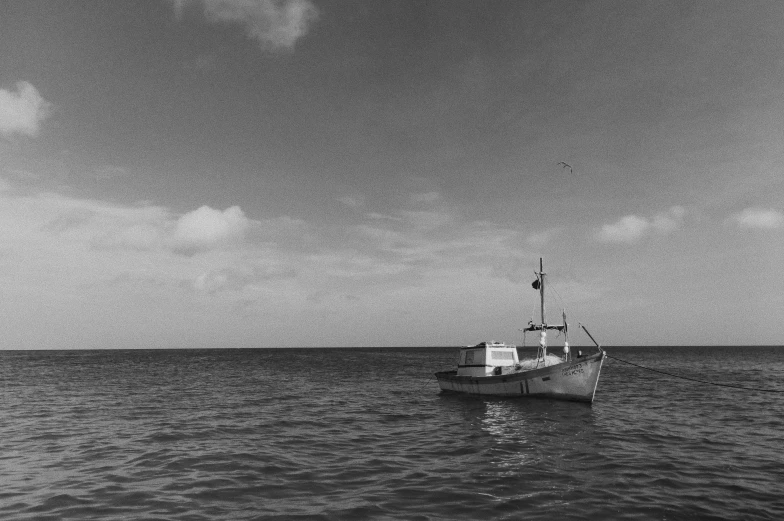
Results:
[206, 227]
[143, 228]
[22, 111]
[632, 228]
[275, 24]
[214, 251]
[759, 218]
[111, 274]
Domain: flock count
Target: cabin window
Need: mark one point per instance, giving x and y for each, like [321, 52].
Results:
[469, 357]
[502, 355]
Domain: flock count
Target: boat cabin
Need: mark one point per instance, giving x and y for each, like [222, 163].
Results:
[486, 359]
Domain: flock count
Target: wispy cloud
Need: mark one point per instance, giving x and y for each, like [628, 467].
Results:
[22, 175]
[109, 172]
[237, 278]
[426, 197]
[352, 201]
[632, 228]
[420, 211]
[759, 218]
[419, 242]
[427, 220]
[628, 229]
[381, 217]
[22, 111]
[540, 239]
[275, 24]
[383, 237]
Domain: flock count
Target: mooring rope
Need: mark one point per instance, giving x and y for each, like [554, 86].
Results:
[697, 379]
[427, 381]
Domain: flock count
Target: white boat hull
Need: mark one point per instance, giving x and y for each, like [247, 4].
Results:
[574, 381]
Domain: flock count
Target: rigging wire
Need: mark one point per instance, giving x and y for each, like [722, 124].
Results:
[698, 380]
[427, 381]
[558, 298]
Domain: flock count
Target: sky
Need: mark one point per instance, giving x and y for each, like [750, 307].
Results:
[283, 173]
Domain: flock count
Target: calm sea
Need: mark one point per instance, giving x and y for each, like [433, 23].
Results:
[366, 434]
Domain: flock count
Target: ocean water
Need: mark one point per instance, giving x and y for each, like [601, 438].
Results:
[366, 434]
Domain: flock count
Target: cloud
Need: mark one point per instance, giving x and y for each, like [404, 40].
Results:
[381, 239]
[632, 228]
[669, 221]
[22, 175]
[542, 238]
[759, 218]
[109, 172]
[22, 111]
[381, 217]
[275, 24]
[213, 281]
[352, 201]
[426, 197]
[628, 229]
[206, 228]
[102, 225]
[238, 278]
[427, 220]
[106, 274]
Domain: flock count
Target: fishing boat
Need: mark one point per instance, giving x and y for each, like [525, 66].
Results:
[494, 369]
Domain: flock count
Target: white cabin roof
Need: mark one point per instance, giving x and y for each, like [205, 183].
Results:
[482, 345]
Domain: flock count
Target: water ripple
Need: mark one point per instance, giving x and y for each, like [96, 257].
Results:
[354, 434]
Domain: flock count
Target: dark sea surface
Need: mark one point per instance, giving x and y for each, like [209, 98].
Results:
[366, 434]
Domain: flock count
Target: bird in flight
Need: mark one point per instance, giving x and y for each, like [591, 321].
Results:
[566, 165]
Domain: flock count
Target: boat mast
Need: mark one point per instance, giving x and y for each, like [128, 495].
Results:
[541, 288]
[542, 327]
[543, 330]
